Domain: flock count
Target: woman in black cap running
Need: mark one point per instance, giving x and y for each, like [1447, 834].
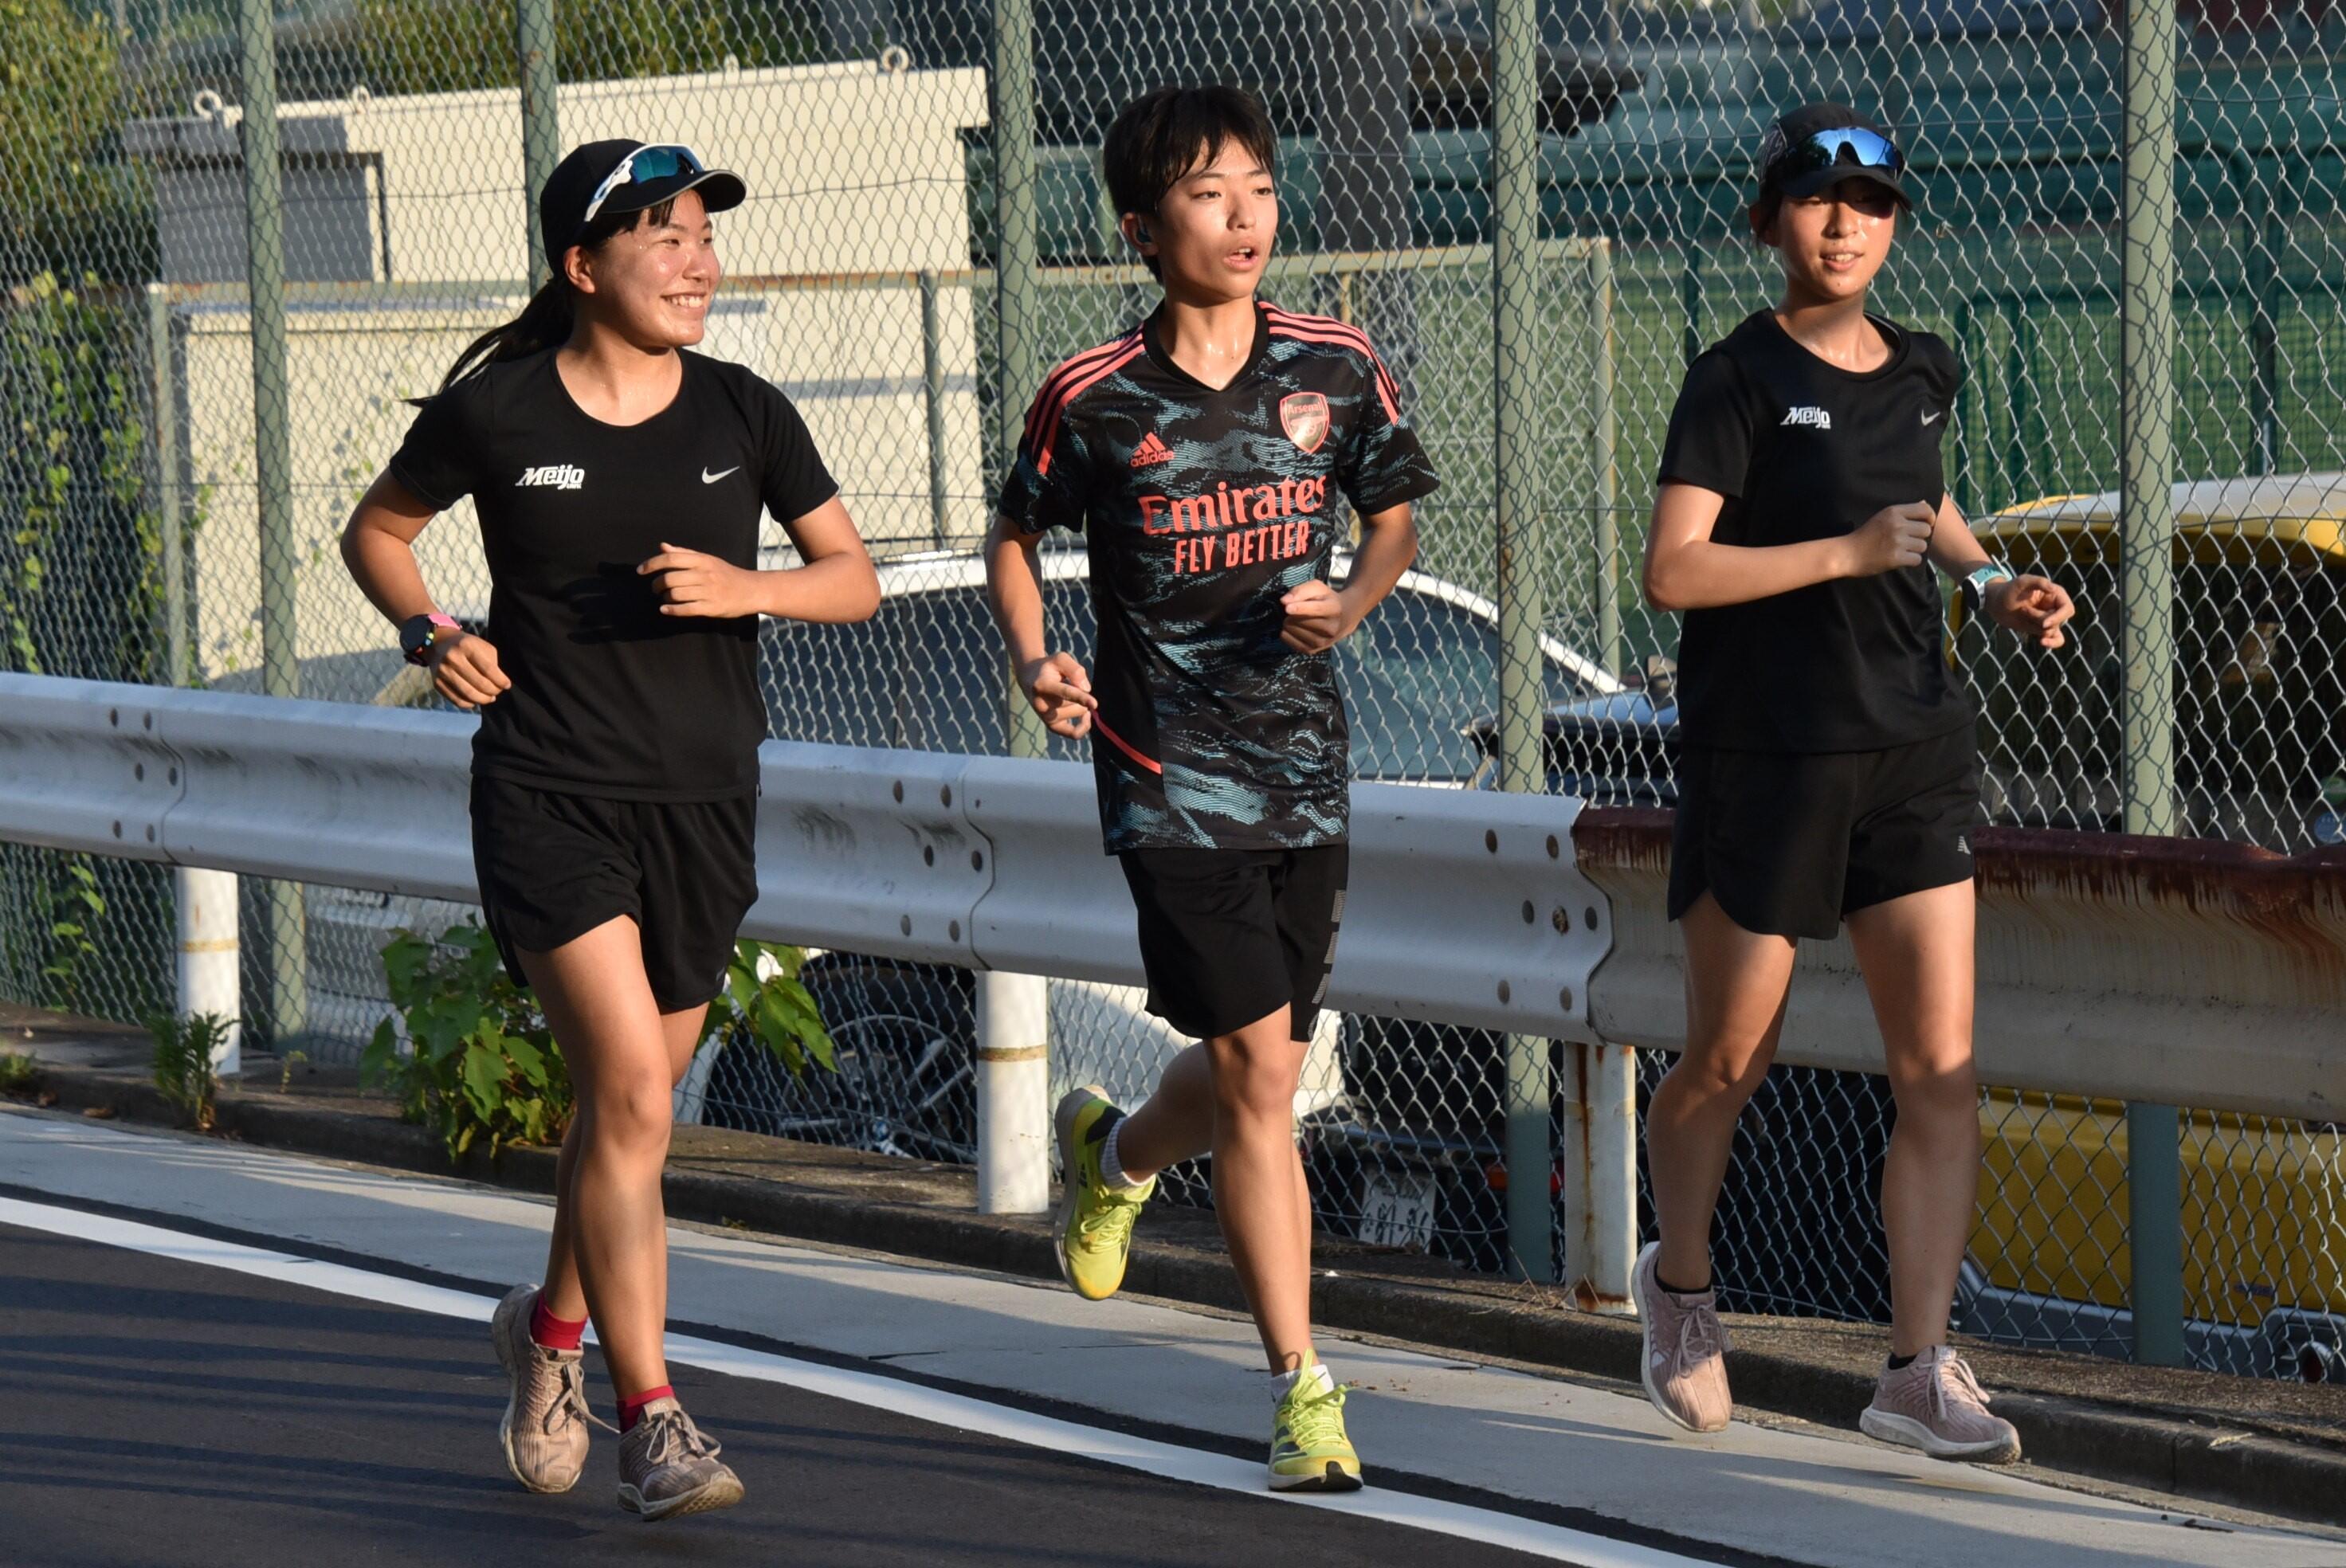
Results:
[619, 480]
[1830, 768]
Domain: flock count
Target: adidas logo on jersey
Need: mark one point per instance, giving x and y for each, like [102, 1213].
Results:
[1150, 450]
[1810, 415]
[553, 476]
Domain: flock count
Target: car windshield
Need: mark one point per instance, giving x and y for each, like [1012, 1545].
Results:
[1414, 675]
[925, 673]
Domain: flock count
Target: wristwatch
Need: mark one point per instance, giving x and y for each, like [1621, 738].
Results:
[418, 633]
[1979, 579]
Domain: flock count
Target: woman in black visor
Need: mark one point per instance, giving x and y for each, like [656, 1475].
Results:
[1830, 771]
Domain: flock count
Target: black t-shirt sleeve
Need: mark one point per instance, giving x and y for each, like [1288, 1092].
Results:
[439, 463]
[1712, 432]
[1383, 465]
[1045, 485]
[795, 481]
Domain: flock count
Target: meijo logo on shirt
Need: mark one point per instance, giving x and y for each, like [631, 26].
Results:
[1811, 415]
[553, 476]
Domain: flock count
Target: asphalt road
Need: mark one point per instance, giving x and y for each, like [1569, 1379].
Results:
[161, 1413]
[216, 1355]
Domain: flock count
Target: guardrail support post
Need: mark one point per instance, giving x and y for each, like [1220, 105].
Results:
[1598, 1092]
[281, 669]
[1013, 1093]
[541, 120]
[1529, 1087]
[210, 980]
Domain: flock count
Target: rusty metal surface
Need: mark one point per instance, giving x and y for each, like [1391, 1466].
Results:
[2176, 971]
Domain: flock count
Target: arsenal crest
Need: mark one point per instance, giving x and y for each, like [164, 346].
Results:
[1304, 417]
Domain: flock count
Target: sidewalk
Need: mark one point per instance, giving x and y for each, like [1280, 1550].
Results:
[2268, 1447]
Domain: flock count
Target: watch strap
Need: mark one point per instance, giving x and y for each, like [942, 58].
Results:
[1980, 578]
[418, 633]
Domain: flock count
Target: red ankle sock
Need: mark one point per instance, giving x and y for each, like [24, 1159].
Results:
[554, 1333]
[631, 1407]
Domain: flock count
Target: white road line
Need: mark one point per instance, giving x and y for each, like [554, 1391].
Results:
[1169, 1460]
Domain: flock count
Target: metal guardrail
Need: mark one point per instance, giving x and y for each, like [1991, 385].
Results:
[2160, 971]
[2172, 971]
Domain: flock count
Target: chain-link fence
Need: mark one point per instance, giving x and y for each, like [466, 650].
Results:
[1538, 226]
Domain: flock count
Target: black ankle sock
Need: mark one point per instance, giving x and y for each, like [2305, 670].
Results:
[1900, 1363]
[1675, 1289]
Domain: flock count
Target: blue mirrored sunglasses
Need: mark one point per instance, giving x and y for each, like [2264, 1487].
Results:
[641, 166]
[1823, 149]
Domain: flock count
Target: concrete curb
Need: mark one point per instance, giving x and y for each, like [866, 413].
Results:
[2209, 1462]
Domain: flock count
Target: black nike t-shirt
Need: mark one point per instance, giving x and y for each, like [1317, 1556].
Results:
[1202, 508]
[610, 697]
[1804, 450]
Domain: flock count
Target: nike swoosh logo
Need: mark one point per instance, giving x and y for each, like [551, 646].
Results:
[709, 478]
[1932, 418]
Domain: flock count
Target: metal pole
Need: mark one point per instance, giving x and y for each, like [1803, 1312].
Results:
[1523, 762]
[1013, 1093]
[166, 404]
[1014, 1064]
[1018, 290]
[1605, 531]
[210, 958]
[1599, 1101]
[2146, 592]
[2264, 238]
[280, 670]
[933, 393]
[541, 120]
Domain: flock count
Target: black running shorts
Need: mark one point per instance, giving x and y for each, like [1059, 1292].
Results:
[553, 867]
[1791, 842]
[1231, 936]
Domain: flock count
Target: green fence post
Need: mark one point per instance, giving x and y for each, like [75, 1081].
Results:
[1523, 762]
[281, 668]
[541, 118]
[2262, 239]
[166, 404]
[2146, 592]
[1605, 533]
[1018, 288]
[933, 399]
[1966, 405]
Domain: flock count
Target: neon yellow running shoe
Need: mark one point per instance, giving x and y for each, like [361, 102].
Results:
[1095, 1218]
[1309, 1449]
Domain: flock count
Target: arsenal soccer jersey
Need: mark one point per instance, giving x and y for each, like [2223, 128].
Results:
[1202, 508]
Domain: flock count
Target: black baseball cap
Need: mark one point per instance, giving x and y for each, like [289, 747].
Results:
[1818, 145]
[581, 189]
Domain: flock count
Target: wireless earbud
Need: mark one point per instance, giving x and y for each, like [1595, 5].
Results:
[1140, 232]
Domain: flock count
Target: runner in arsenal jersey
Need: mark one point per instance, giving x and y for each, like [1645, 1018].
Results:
[1212, 457]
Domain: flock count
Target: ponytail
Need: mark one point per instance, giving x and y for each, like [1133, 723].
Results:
[544, 324]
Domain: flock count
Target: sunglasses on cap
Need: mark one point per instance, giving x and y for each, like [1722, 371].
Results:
[641, 166]
[1825, 149]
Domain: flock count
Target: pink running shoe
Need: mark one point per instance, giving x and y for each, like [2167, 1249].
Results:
[1934, 1403]
[1685, 1360]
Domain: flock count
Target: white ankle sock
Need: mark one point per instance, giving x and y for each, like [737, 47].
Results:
[1282, 1382]
[1111, 1168]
